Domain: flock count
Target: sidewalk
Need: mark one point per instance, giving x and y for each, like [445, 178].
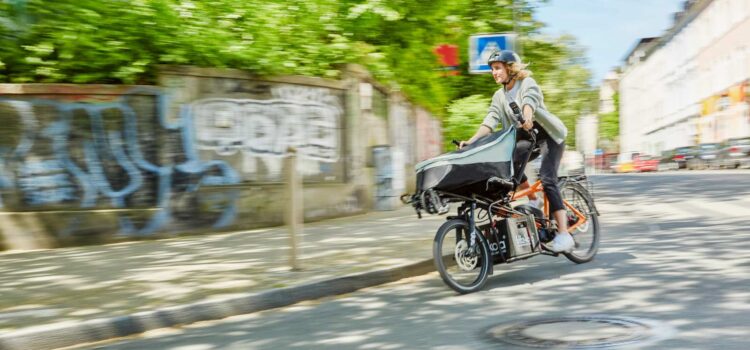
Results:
[62, 297]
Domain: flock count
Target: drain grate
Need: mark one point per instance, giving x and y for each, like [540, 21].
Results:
[584, 332]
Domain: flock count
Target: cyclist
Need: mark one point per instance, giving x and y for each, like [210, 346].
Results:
[518, 86]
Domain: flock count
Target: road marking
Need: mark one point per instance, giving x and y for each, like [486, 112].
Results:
[718, 208]
[668, 210]
[746, 205]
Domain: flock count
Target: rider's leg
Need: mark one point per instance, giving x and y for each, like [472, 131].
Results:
[562, 220]
[548, 172]
[521, 156]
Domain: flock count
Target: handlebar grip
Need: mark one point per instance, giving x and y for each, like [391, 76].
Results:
[458, 144]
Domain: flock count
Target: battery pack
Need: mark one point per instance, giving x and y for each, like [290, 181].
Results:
[522, 235]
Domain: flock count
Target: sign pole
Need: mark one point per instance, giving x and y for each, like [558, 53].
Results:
[294, 204]
[517, 44]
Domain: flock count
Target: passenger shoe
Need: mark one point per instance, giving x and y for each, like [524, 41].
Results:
[563, 242]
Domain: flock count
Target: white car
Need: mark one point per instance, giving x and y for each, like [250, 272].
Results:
[572, 163]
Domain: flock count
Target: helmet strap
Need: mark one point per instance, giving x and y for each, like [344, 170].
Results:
[510, 79]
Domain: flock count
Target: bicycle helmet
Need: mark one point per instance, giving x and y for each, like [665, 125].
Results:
[504, 56]
[507, 57]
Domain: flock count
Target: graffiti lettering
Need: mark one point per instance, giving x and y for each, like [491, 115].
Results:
[107, 163]
[268, 127]
[45, 182]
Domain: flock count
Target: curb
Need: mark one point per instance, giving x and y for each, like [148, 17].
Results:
[65, 334]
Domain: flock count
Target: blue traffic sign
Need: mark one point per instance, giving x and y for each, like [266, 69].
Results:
[482, 46]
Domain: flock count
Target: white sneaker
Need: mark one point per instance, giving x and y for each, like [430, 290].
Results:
[563, 242]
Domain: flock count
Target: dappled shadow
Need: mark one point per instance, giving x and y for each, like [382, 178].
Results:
[540, 269]
[715, 185]
[686, 271]
[697, 286]
[118, 279]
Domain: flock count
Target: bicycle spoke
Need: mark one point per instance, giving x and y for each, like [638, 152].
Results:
[585, 235]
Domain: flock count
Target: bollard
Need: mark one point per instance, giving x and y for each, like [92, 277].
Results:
[294, 208]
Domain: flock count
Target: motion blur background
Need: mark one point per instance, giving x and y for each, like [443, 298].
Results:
[131, 119]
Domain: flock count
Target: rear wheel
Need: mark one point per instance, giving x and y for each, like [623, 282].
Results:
[463, 266]
[586, 236]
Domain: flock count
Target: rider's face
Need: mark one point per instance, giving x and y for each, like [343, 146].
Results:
[499, 72]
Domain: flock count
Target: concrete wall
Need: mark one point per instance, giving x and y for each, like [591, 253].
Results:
[84, 164]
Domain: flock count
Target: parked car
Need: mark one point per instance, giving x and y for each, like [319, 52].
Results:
[571, 164]
[682, 155]
[635, 162]
[735, 153]
[623, 167]
[668, 161]
[704, 157]
[624, 163]
[643, 163]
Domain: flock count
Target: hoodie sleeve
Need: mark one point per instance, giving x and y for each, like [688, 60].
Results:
[532, 94]
[496, 115]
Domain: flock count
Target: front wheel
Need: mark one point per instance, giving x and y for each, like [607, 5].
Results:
[463, 266]
[586, 236]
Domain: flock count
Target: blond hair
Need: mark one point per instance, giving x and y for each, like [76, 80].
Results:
[518, 70]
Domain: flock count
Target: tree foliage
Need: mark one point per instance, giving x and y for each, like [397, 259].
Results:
[123, 41]
[609, 123]
[464, 117]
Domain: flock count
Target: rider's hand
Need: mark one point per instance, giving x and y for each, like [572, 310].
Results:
[527, 124]
[462, 144]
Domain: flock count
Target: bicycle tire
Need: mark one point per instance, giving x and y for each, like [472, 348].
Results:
[592, 217]
[484, 260]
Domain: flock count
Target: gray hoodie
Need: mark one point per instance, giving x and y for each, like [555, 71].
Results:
[530, 94]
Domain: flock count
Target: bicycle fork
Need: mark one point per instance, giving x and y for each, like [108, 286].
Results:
[474, 240]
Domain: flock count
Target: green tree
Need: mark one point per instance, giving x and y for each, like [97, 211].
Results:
[559, 68]
[464, 117]
[124, 41]
[609, 123]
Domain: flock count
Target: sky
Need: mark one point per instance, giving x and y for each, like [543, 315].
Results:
[608, 29]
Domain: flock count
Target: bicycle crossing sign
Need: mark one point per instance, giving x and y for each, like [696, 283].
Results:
[483, 45]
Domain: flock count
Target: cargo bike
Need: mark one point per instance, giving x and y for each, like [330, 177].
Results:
[492, 225]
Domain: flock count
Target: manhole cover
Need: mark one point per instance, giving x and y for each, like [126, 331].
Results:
[585, 332]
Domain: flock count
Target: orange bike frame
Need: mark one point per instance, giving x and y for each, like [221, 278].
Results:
[537, 187]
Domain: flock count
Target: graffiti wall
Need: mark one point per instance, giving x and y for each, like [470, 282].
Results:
[429, 135]
[85, 149]
[402, 130]
[252, 124]
[202, 152]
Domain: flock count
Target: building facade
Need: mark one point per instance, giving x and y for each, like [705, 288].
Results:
[690, 85]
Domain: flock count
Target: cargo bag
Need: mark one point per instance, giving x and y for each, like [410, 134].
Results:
[466, 171]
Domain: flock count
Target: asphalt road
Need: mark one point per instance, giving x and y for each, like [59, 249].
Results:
[675, 254]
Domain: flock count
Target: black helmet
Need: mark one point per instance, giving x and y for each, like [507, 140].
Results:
[505, 56]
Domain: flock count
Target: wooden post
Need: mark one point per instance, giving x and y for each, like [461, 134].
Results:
[294, 208]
